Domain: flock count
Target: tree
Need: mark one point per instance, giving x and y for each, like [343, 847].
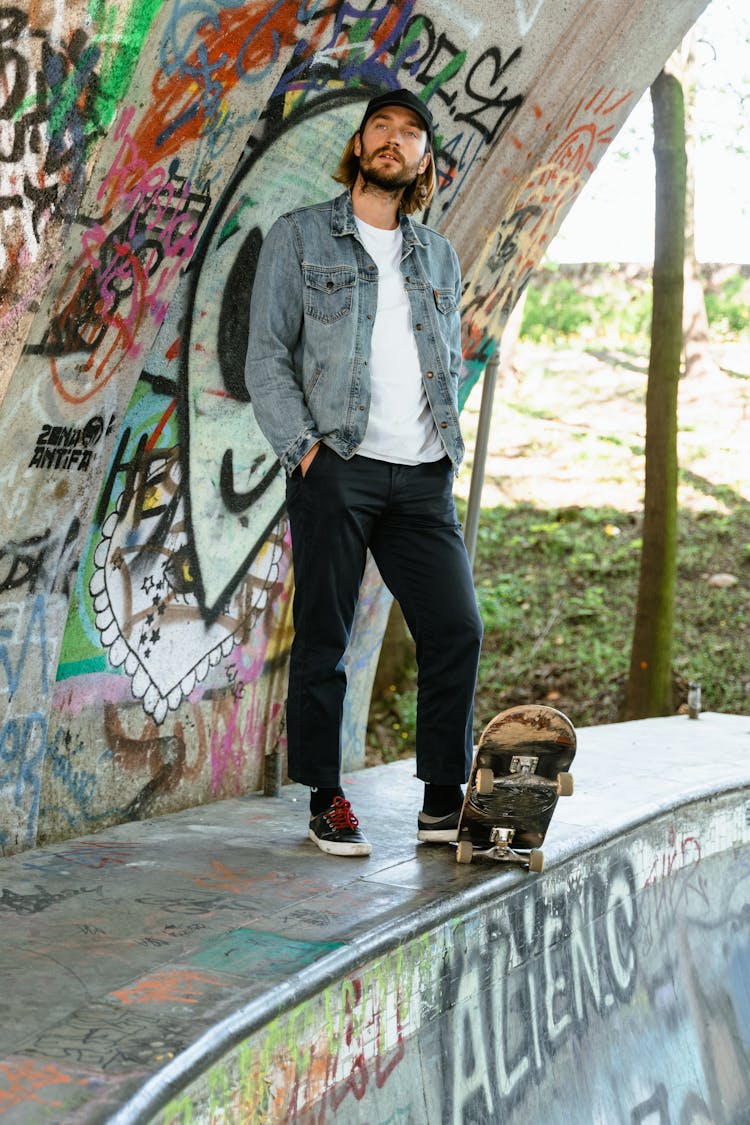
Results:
[649, 688]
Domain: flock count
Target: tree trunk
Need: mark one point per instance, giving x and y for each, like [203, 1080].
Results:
[649, 689]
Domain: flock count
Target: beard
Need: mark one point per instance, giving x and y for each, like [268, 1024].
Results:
[386, 177]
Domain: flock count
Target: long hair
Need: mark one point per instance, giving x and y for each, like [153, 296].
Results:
[416, 196]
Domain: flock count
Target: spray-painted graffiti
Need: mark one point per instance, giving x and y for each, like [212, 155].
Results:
[61, 73]
[525, 232]
[144, 597]
[69, 447]
[334, 1064]
[191, 540]
[40, 562]
[655, 1109]
[331, 46]
[559, 960]
[124, 274]
[48, 92]
[23, 659]
[526, 14]
[548, 1002]
[143, 583]
[227, 528]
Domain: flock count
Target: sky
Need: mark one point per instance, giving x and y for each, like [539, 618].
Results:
[613, 218]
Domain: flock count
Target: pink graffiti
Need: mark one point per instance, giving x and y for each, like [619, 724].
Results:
[244, 728]
[122, 280]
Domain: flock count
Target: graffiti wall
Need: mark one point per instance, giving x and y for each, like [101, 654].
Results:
[614, 989]
[145, 148]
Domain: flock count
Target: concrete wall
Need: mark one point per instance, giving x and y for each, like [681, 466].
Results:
[615, 989]
[144, 149]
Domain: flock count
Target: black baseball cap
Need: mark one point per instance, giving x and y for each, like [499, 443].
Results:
[403, 98]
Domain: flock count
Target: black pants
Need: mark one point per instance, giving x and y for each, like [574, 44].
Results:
[407, 518]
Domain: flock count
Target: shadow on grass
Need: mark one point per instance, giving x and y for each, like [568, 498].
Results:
[725, 495]
[616, 359]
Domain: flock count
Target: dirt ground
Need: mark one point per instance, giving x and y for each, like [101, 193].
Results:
[570, 430]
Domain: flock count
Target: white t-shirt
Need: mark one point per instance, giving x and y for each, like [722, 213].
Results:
[400, 425]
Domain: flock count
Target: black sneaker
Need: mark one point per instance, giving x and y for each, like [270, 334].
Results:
[438, 829]
[337, 830]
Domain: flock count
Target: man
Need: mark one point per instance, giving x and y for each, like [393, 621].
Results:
[352, 366]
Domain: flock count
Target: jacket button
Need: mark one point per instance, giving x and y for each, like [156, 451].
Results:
[428, 375]
[418, 327]
[361, 408]
[369, 316]
[408, 277]
[329, 285]
[443, 425]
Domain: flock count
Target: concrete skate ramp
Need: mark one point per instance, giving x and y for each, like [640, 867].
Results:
[614, 988]
[213, 966]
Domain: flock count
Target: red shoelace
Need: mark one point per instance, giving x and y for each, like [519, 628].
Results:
[341, 815]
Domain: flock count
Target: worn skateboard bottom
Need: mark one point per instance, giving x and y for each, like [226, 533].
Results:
[520, 770]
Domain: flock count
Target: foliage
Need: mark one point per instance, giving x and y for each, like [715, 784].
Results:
[557, 310]
[728, 307]
[392, 725]
[586, 302]
[605, 302]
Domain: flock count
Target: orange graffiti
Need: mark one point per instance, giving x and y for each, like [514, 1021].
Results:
[26, 1081]
[238, 883]
[235, 42]
[547, 190]
[173, 986]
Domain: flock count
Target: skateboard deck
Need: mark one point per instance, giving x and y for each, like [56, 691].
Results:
[520, 770]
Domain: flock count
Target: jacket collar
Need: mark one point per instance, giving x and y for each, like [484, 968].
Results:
[342, 221]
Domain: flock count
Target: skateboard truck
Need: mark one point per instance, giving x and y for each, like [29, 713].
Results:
[501, 839]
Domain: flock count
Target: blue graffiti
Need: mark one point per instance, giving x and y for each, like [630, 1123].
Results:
[36, 624]
[79, 783]
[22, 745]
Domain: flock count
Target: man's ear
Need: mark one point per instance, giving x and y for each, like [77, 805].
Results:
[357, 144]
[424, 162]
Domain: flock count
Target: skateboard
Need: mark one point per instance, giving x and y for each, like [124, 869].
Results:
[520, 769]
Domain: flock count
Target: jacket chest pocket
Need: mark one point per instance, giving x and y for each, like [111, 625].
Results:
[445, 299]
[329, 292]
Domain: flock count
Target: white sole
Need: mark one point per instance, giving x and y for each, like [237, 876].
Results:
[438, 836]
[339, 849]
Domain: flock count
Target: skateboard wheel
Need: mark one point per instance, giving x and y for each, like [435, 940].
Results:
[464, 851]
[565, 785]
[485, 781]
[536, 862]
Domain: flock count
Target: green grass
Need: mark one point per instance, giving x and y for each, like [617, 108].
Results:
[557, 593]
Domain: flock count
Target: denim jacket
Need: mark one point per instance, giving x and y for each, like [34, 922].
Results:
[311, 317]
